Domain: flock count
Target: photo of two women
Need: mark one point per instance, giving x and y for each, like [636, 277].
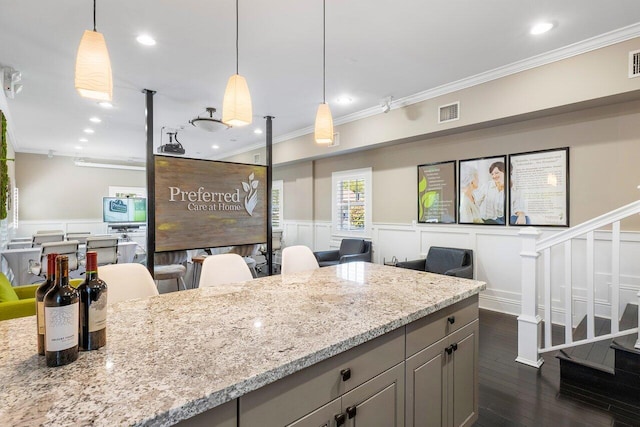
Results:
[482, 191]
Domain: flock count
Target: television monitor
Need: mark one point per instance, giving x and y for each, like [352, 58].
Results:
[124, 210]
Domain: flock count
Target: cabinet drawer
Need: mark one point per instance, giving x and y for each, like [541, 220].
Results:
[424, 332]
[292, 397]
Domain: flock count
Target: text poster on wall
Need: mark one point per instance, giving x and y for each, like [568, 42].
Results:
[437, 193]
[205, 204]
[539, 188]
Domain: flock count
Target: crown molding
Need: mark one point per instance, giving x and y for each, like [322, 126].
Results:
[584, 46]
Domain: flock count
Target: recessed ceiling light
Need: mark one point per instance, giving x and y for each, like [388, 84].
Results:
[83, 140]
[541, 27]
[215, 147]
[146, 40]
[344, 100]
[87, 130]
[95, 119]
[257, 131]
[105, 104]
[78, 147]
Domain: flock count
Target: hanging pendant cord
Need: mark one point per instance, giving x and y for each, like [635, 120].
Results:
[324, 50]
[94, 15]
[236, 36]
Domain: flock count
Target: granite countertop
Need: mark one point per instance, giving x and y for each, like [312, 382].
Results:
[176, 355]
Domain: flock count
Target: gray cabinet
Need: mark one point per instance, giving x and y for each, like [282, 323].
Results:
[370, 372]
[442, 386]
[224, 415]
[376, 403]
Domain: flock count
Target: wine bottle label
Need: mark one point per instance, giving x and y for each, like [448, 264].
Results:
[62, 327]
[98, 313]
[40, 309]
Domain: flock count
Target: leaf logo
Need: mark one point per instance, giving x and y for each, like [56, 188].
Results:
[251, 199]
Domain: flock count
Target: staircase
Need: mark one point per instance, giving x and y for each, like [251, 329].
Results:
[573, 283]
[606, 372]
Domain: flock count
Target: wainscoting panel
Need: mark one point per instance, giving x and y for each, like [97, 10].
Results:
[392, 240]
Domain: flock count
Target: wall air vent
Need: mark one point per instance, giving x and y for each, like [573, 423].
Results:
[634, 64]
[449, 112]
[256, 159]
[336, 140]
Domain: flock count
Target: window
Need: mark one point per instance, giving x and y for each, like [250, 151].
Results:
[277, 193]
[351, 201]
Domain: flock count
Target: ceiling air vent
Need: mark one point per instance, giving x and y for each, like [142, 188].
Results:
[634, 64]
[449, 112]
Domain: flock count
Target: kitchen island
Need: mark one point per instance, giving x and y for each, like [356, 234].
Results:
[177, 355]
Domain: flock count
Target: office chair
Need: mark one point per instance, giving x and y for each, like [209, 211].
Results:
[40, 238]
[106, 247]
[80, 236]
[69, 248]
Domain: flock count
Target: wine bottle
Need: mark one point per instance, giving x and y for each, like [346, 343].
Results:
[40, 293]
[93, 307]
[61, 315]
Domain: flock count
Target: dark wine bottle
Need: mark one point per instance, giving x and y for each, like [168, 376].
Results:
[93, 307]
[40, 293]
[61, 317]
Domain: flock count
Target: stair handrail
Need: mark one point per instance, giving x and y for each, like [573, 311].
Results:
[590, 225]
[529, 322]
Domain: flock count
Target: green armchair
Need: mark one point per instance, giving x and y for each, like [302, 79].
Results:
[20, 301]
[24, 305]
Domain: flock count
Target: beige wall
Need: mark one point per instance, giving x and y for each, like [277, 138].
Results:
[604, 150]
[56, 189]
[298, 182]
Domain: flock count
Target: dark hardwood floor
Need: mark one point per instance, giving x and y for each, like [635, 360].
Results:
[513, 394]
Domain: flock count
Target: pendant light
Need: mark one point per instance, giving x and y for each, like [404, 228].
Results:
[236, 105]
[93, 67]
[324, 121]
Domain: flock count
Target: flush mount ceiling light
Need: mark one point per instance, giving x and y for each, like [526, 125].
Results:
[541, 28]
[209, 123]
[236, 106]
[146, 40]
[324, 121]
[93, 66]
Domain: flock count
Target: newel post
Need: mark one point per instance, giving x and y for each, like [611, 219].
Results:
[529, 323]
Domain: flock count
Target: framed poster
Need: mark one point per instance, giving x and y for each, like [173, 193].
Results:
[539, 188]
[437, 193]
[482, 191]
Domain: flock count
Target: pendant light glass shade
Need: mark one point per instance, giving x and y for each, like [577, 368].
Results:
[324, 125]
[236, 105]
[93, 68]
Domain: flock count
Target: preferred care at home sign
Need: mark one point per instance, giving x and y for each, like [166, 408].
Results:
[206, 204]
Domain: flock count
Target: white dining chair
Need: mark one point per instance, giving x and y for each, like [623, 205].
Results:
[222, 269]
[298, 258]
[127, 281]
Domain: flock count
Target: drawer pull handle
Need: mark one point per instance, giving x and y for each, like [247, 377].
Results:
[451, 319]
[454, 346]
[351, 411]
[340, 420]
[346, 374]
[449, 349]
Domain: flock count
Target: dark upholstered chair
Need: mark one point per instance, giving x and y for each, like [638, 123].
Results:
[449, 261]
[350, 250]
